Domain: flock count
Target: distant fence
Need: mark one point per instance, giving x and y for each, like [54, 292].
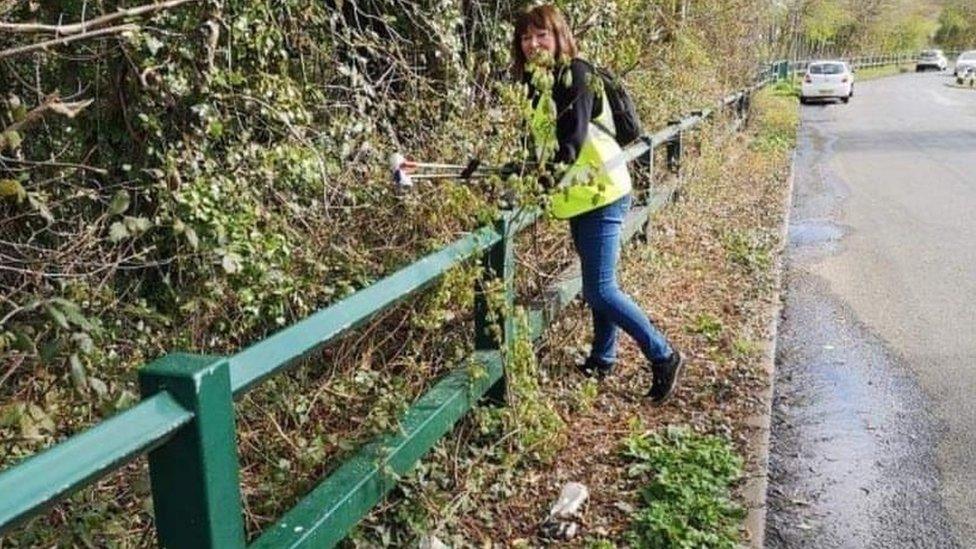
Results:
[785, 68]
[185, 421]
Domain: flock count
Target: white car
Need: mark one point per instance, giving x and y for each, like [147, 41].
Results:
[827, 80]
[931, 59]
[966, 59]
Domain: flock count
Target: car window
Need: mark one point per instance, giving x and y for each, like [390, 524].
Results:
[827, 68]
[968, 56]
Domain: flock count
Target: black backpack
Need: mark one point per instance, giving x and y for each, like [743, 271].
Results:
[625, 119]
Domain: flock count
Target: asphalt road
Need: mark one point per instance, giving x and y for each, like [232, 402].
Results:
[874, 425]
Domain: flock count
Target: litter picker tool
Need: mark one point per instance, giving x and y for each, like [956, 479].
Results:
[405, 171]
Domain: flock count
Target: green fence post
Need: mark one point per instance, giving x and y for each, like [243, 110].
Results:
[493, 320]
[194, 475]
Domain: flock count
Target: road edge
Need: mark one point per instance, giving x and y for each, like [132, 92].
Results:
[755, 487]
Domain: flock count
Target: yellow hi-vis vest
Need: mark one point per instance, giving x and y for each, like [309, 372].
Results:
[598, 177]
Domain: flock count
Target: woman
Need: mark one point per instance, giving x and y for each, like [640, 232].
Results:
[593, 195]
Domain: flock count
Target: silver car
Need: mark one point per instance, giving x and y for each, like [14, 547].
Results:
[966, 60]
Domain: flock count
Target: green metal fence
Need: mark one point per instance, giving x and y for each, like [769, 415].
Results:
[185, 422]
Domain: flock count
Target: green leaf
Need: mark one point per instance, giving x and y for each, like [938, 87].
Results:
[191, 238]
[83, 341]
[10, 415]
[79, 377]
[10, 140]
[117, 232]
[137, 225]
[120, 202]
[57, 316]
[73, 312]
[231, 263]
[215, 129]
[11, 188]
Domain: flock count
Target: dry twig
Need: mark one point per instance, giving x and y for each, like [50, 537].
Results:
[119, 29]
[85, 26]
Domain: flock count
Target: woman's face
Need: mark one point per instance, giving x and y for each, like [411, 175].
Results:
[536, 42]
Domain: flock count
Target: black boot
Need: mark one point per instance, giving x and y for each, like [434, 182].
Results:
[594, 367]
[666, 373]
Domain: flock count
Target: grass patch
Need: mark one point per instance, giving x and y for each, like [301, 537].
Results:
[777, 118]
[878, 72]
[786, 88]
[688, 500]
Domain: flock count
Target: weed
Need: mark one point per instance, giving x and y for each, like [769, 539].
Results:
[748, 249]
[707, 325]
[586, 395]
[687, 503]
[786, 88]
[744, 348]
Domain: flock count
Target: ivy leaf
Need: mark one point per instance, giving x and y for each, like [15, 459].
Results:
[117, 232]
[73, 313]
[120, 203]
[57, 316]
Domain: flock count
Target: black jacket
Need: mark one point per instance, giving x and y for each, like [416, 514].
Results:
[576, 105]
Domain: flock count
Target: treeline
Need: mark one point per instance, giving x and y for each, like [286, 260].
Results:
[957, 25]
[845, 27]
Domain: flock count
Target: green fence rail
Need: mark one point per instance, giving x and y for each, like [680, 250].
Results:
[185, 422]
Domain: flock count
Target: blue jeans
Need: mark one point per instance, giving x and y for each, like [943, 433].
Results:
[596, 236]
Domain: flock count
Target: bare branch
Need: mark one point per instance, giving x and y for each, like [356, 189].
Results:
[52, 103]
[53, 164]
[60, 41]
[85, 26]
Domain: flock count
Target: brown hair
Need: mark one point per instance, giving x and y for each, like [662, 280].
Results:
[548, 17]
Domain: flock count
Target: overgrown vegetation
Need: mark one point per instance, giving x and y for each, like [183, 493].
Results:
[482, 487]
[688, 501]
[197, 174]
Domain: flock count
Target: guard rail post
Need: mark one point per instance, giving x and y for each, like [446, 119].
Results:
[194, 475]
[745, 105]
[673, 150]
[493, 318]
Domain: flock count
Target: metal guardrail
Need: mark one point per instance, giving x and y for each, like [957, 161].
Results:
[185, 422]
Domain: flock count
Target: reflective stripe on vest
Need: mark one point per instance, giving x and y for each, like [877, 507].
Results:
[598, 177]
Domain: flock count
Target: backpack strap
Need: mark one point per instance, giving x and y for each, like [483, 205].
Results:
[605, 129]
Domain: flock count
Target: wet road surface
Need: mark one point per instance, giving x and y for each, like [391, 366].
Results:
[874, 419]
